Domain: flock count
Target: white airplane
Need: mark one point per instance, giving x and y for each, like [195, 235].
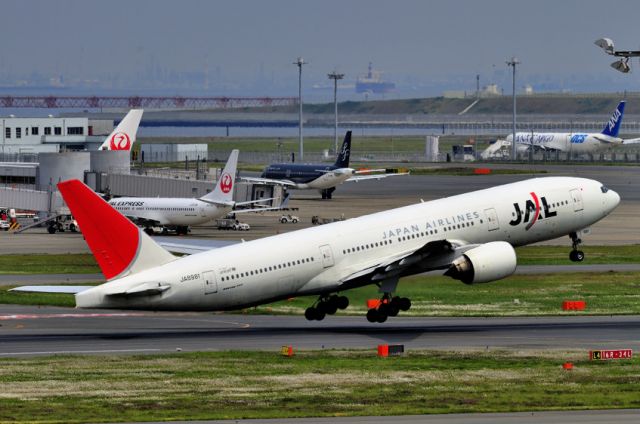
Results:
[124, 135]
[575, 142]
[469, 236]
[179, 213]
[321, 177]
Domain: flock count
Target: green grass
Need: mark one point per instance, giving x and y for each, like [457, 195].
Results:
[559, 255]
[235, 385]
[360, 145]
[48, 264]
[518, 295]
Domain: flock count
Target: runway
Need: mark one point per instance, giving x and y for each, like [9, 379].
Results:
[28, 330]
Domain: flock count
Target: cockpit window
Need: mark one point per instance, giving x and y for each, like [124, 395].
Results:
[604, 189]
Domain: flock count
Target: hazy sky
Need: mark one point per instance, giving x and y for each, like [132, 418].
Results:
[251, 39]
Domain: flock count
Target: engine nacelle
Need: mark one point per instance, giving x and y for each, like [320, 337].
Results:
[489, 262]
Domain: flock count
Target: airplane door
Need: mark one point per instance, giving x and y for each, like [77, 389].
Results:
[576, 198]
[203, 211]
[327, 256]
[210, 283]
[492, 219]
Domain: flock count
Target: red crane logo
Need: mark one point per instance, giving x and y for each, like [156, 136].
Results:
[120, 141]
[226, 183]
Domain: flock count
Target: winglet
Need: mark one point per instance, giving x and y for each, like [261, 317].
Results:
[612, 127]
[120, 247]
[124, 135]
[223, 191]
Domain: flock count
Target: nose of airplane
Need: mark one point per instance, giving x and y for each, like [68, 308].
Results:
[614, 200]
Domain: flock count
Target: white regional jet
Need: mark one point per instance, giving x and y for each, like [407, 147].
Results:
[179, 213]
[124, 135]
[469, 236]
[575, 142]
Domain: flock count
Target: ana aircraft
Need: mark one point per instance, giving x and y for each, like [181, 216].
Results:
[124, 135]
[470, 237]
[179, 213]
[321, 177]
[575, 142]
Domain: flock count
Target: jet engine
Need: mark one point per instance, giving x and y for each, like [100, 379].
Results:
[488, 262]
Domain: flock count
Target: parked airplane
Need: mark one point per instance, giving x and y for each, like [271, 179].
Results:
[124, 135]
[574, 142]
[179, 213]
[469, 236]
[321, 177]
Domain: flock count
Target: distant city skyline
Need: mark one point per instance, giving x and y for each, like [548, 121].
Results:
[247, 47]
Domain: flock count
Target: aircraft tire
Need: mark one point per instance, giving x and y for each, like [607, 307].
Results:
[331, 305]
[343, 302]
[372, 315]
[310, 313]
[404, 303]
[576, 256]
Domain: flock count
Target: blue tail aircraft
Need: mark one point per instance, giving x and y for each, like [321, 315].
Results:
[321, 177]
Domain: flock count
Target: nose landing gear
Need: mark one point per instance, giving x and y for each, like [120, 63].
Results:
[326, 305]
[388, 307]
[576, 255]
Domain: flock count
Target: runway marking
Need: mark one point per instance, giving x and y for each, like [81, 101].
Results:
[54, 352]
[45, 316]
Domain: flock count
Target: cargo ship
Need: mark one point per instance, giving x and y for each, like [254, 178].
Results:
[372, 82]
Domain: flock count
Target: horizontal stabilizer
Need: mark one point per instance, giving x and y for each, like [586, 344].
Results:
[52, 289]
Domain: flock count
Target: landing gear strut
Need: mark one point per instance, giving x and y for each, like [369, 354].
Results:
[576, 255]
[326, 193]
[326, 305]
[388, 307]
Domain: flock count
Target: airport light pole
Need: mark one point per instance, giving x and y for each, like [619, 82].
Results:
[335, 77]
[513, 62]
[299, 62]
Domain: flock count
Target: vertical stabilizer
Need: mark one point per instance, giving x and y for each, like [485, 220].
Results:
[613, 126]
[223, 191]
[119, 246]
[342, 161]
[124, 135]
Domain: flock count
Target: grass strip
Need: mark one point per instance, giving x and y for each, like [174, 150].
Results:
[236, 385]
[48, 264]
[519, 295]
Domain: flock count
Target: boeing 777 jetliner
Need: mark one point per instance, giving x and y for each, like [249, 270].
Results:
[470, 237]
[124, 135]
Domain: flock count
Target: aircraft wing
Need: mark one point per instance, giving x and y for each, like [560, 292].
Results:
[434, 255]
[357, 178]
[192, 246]
[258, 180]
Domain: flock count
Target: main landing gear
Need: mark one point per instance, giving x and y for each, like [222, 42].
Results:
[326, 193]
[576, 255]
[326, 305]
[388, 307]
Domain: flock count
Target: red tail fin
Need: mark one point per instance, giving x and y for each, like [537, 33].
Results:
[118, 245]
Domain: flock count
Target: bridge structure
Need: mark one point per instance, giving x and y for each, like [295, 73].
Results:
[147, 102]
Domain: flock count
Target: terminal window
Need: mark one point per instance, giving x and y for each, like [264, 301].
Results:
[35, 130]
[57, 130]
[75, 130]
[26, 131]
[47, 130]
[18, 132]
[7, 132]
